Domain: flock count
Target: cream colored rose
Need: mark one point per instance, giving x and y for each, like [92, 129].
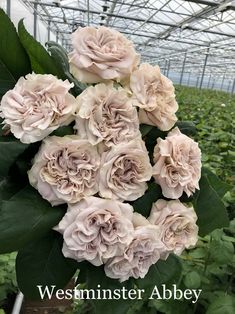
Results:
[96, 229]
[154, 94]
[65, 169]
[105, 114]
[177, 164]
[125, 168]
[177, 224]
[145, 250]
[101, 54]
[36, 106]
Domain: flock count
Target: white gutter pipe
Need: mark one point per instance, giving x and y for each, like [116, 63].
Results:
[18, 303]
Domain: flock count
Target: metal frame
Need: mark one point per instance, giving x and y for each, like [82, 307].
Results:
[194, 39]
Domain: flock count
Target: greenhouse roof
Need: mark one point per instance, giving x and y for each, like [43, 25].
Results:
[186, 34]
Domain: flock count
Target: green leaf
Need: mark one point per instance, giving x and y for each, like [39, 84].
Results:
[64, 130]
[25, 217]
[8, 188]
[218, 185]
[210, 209]
[43, 263]
[60, 57]
[197, 252]
[221, 252]
[12, 148]
[144, 204]
[145, 129]
[192, 280]
[163, 272]
[14, 61]
[151, 140]
[96, 276]
[222, 305]
[170, 306]
[7, 81]
[41, 61]
[186, 127]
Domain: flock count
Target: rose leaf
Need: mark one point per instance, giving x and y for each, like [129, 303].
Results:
[25, 217]
[14, 61]
[41, 61]
[42, 263]
[166, 272]
[209, 208]
[10, 149]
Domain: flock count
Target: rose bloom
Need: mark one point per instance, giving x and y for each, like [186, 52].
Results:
[36, 106]
[177, 164]
[96, 229]
[145, 250]
[177, 224]
[105, 114]
[154, 94]
[101, 54]
[139, 220]
[125, 168]
[65, 169]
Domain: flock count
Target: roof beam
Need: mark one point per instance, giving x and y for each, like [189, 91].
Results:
[204, 2]
[123, 30]
[205, 12]
[137, 19]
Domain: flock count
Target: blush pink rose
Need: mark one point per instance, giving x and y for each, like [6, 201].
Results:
[177, 224]
[145, 250]
[124, 171]
[96, 229]
[105, 114]
[177, 167]
[154, 94]
[65, 169]
[101, 54]
[36, 106]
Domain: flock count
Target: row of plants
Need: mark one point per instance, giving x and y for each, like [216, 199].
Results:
[8, 285]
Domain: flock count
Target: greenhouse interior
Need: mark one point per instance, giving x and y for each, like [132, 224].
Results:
[173, 61]
[192, 41]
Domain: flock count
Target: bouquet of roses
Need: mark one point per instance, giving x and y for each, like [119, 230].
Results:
[95, 169]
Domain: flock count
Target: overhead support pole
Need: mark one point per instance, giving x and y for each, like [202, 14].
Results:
[112, 8]
[88, 12]
[189, 76]
[165, 67]
[168, 68]
[208, 85]
[229, 83]
[233, 88]
[49, 31]
[9, 8]
[223, 78]
[35, 20]
[183, 66]
[204, 66]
